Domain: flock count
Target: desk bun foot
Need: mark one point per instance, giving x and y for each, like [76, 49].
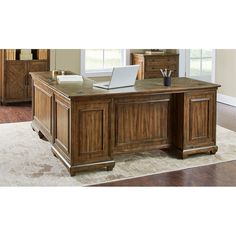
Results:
[199, 150]
[110, 168]
[40, 134]
[214, 150]
[72, 173]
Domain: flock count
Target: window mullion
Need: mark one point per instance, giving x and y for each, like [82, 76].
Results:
[201, 64]
[103, 59]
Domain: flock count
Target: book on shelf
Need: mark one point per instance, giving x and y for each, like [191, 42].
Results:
[26, 54]
[10, 54]
[42, 54]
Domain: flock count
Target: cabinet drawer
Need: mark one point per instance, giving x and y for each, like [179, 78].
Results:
[156, 74]
[172, 67]
[154, 68]
[162, 60]
[174, 73]
[158, 67]
[156, 62]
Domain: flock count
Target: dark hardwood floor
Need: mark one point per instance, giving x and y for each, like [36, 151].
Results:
[15, 113]
[226, 116]
[222, 174]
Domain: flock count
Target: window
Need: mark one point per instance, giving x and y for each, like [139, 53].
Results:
[200, 64]
[101, 61]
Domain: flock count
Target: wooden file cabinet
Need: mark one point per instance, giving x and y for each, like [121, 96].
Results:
[150, 65]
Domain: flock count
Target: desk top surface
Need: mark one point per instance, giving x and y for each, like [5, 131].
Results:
[146, 86]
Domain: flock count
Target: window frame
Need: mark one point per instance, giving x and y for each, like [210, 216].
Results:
[210, 78]
[102, 72]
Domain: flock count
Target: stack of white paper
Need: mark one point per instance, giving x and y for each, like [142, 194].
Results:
[69, 78]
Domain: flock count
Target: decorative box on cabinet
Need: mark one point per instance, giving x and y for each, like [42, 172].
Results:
[150, 64]
[15, 80]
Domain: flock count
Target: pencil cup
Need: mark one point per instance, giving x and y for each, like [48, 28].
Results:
[167, 81]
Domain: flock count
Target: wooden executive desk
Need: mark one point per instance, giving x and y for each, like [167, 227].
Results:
[87, 125]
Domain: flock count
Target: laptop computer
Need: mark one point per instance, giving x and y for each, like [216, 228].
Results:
[121, 77]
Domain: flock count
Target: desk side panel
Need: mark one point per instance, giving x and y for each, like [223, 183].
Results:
[200, 119]
[62, 126]
[90, 132]
[42, 109]
[1, 72]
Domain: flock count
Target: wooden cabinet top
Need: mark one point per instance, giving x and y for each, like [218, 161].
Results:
[149, 86]
[155, 55]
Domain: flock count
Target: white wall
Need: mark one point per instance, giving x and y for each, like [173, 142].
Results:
[226, 71]
[69, 59]
[226, 75]
[65, 59]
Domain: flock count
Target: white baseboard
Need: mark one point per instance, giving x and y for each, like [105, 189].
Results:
[226, 99]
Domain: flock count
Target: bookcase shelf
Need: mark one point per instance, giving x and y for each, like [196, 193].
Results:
[37, 54]
[15, 81]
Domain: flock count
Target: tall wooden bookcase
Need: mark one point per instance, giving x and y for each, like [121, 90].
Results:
[15, 81]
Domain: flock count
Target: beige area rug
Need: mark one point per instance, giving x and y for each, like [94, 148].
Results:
[26, 160]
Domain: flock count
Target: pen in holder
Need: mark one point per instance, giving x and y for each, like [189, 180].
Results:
[167, 81]
[166, 77]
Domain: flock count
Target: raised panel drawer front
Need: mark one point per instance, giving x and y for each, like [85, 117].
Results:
[156, 74]
[156, 62]
[142, 121]
[200, 115]
[172, 67]
[161, 60]
[155, 68]
[162, 63]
